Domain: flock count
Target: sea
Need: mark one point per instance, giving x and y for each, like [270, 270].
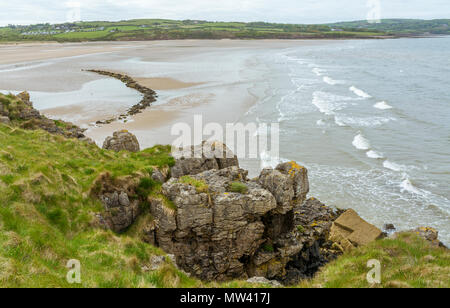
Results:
[371, 121]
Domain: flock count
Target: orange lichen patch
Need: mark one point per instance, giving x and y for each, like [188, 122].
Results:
[426, 229]
[294, 168]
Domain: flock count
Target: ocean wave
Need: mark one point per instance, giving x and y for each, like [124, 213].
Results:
[394, 166]
[318, 71]
[359, 92]
[328, 103]
[361, 143]
[375, 154]
[407, 186]
[331, 81]
[320, 122]
[382, 106]
[342, 120]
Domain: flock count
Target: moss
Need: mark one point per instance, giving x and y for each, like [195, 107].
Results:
[238, 187]
[199, 185]
[268, 248]
[301, 229]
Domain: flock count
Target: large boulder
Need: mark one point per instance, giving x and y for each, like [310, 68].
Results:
[5, 120]
[208, 227]
[288, 183]
[207, 156]
[350, 231]
[122, 141]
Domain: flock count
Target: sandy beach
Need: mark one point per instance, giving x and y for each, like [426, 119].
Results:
[217, 79]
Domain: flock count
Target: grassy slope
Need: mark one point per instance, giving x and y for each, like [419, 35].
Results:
[46, 219]
[406, 262]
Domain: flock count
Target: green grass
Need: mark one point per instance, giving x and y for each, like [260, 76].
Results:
[406, 262]
[200, 186]
[238, 187]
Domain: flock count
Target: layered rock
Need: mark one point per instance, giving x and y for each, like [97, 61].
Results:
[220, 225]
[122, 141]
[350, 231]
[212, 232]
[118, 196]
[207, 156]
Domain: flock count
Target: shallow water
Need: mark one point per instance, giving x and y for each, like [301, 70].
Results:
[371, 121]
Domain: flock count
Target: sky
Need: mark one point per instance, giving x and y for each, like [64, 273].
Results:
[283, 11]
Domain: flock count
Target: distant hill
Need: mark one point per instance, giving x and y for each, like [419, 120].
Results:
[400, 26]
[164, 29]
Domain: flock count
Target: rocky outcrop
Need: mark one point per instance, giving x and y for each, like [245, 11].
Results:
[288, 183]
[207, 156]
[149, 95]
[118, 196]
[210, 229]
[220, 225]
[122, 141]
[19, 110]
[429, 234]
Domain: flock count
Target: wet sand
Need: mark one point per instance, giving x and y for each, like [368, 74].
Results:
[165, 83]
[219, 80]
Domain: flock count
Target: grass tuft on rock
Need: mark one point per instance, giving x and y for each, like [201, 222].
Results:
[199, 185]
[238, 187]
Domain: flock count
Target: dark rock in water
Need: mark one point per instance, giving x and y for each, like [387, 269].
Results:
[122, 141]
[389, 228]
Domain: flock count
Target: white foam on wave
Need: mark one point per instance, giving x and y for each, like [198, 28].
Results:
[328, 103]
[374, 154]
[320, 122]
[382, 106]
[359, 92]
[269, 161]
[318, 71]
[331, 81]
[407, 186]
[342, 120]
[394, 166]
[361, 143]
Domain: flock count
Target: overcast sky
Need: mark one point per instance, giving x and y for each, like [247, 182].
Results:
[285, 11]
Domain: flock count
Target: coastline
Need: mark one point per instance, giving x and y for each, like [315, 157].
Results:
[223, 92]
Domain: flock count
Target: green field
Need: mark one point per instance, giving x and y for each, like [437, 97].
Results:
[162, 29]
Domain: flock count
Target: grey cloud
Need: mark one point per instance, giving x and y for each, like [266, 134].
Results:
[290, 11]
